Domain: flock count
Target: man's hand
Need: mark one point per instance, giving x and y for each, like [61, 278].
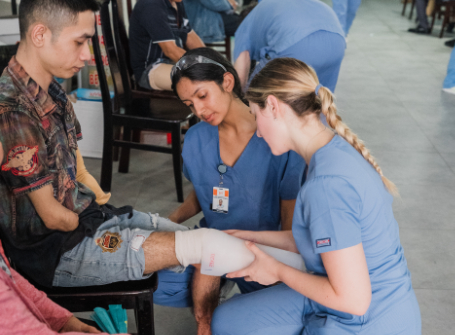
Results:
[75, 325]
[233, 4]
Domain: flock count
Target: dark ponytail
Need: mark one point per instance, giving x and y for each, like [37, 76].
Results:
[209, 72]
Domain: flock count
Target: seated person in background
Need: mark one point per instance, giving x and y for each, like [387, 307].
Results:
[159, 33]
[213, 20]
[307, 30]
[423, 27]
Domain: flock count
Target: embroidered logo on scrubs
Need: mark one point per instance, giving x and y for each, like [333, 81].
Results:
[22, 160]
[109, 242]
[323, 242]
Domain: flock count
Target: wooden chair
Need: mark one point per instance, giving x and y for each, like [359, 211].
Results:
[443, 8]
[131, 110]
[6, 52]
[225, 45]
[405, 3]
[137, 295]
[14, 7]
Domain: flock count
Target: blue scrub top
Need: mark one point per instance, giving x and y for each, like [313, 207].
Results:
[275, 25]
[343, 203]
[256, 182]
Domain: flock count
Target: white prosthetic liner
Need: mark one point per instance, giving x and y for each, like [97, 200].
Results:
[223, 253]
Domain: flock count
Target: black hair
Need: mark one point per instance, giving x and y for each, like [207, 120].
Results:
[209, 72]
[247, 10]
[56, 14]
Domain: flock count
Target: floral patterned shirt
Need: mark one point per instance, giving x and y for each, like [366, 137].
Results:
[39, 133]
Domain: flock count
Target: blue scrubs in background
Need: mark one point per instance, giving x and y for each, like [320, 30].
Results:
[257, 182]
[307, 30]
[346, 11]
[342, 203]
[449, 81]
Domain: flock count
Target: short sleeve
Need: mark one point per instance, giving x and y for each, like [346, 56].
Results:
[77, 127]
[154, 19]
[242, 38]
[332, 209]
[292, 179]
[24, 167]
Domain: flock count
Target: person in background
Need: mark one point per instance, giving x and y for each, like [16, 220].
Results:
[24, 310]
[213, 20]
[238, 183]
[449, 81]
[357, 279]
[346, 11]
[423, 27]
[303, 29]
[159, 34]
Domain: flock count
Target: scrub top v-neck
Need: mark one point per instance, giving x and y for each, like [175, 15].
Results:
[256, 182]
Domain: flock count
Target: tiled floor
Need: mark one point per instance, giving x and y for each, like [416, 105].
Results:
[389, 93]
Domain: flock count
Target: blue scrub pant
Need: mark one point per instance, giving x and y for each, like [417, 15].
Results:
[449, 82]
[346, 11]
[174, 289]
[322, 50]
[281, 310]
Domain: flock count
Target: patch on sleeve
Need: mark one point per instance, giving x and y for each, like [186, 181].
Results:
[109, 242]
[22, 160]
[136, 242]
[323, 242]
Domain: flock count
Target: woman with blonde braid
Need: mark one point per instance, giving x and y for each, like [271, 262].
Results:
[357, 280]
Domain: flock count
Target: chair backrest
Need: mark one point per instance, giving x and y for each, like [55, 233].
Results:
[116, 54]
[6, 52]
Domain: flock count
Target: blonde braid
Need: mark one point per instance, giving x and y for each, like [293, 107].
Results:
[334, 120]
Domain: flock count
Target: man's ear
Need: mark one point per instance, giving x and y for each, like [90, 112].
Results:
[37, 34]
[228, 82]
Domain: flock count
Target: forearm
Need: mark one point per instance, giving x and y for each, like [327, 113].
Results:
[84, 177]
[175, 53]
[54, 215]
[188, 209]
[205, 293]
[287, 213]
[319, 289]
[193, 41]
[277, 239]
[242, 66]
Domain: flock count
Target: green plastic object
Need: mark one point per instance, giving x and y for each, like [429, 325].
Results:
[114, 321]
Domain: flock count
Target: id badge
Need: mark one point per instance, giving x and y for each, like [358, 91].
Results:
[220, 201]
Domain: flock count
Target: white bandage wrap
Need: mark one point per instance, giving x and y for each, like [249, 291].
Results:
[188, 246]
[220, 253]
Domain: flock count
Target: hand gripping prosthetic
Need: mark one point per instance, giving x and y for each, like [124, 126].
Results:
[220, 253]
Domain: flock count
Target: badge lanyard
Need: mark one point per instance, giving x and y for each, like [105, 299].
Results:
[220, 201]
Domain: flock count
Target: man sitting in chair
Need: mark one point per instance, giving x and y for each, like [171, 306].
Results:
[159, 34]
[51, 226]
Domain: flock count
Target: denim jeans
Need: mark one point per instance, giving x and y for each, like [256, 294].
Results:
[114, 253]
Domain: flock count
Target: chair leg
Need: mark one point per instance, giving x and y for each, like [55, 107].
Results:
[117, 135]
[144, 315]
[444, 22]
[228, 48]
[405, 3]
[176, 158]
[124, 162]
[412, 9]
[106, 163]
[432, 21]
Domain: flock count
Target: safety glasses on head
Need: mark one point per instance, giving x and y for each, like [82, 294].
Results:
[188, 61]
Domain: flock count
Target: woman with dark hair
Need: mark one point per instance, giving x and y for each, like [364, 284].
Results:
[225, 160]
